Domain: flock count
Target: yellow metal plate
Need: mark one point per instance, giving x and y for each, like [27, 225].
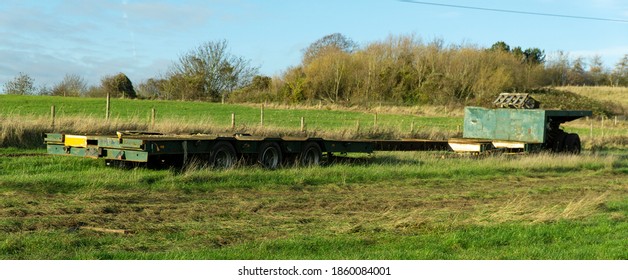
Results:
[75, 141]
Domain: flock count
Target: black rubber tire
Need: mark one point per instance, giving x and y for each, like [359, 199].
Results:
[559, 142]
[311, 155]
[269, 155]
[222, 155]
[572, 144]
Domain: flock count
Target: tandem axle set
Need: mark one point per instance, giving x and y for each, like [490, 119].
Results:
[514, 128]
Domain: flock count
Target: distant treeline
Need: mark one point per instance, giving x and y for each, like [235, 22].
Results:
[400, 70]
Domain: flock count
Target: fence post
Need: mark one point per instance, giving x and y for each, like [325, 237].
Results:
[152, 118]
[357, 126]
[108, 107]
[233, 121]
[375, 121]
[412, 127]
[261, 122]
[602, 126]
[302, 124]
[52, 116]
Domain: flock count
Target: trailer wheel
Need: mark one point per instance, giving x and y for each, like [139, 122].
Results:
[269, 155]
[310, 155]
[222, 155]
[572, 144]
[558, 145]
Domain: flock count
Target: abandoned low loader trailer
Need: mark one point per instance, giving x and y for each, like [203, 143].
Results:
[509, 129]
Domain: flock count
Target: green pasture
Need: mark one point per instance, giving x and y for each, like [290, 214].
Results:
[415, 205]
[215, 114]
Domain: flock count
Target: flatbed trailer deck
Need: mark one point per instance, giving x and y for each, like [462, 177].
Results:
[222, 151]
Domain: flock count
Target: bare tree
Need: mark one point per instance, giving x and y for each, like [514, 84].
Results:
[219, 71]
[620, 73]
[22, 84]
[71, 85]
[331, 42]
[596, 70]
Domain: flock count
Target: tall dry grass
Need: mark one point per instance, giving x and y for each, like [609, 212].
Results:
[29, 132]
[416, 110]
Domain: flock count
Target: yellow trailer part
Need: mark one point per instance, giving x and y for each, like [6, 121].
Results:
[75, 141]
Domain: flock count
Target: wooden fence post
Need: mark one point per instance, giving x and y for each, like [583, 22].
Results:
[52, 116]
[233, 120]
[602, 126]
[261, 122]
[152, 118]
[108, 107]
[302, 124]
[375, 121]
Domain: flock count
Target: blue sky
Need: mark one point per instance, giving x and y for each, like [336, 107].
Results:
[48, 39]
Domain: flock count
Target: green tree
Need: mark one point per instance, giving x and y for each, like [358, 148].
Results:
[534, 56]
[500, 46]
[22, 84]
[118, 86]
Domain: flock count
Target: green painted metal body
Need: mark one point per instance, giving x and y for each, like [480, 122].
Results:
[140, 148]
[520, 125]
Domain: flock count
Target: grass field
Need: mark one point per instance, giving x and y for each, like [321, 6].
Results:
[411, 205]
[394, 206]
[219, 115]
[26, 118]
[617, 95]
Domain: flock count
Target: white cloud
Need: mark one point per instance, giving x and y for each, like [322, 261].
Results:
[91, 38]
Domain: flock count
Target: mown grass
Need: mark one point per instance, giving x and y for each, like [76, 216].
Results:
[392, 206]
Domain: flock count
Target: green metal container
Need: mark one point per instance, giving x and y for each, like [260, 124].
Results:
[520, 125]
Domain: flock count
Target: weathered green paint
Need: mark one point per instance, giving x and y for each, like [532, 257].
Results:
[522, 125]
[125, 155]
[114, 142]
[56, 149]
[53, 137]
